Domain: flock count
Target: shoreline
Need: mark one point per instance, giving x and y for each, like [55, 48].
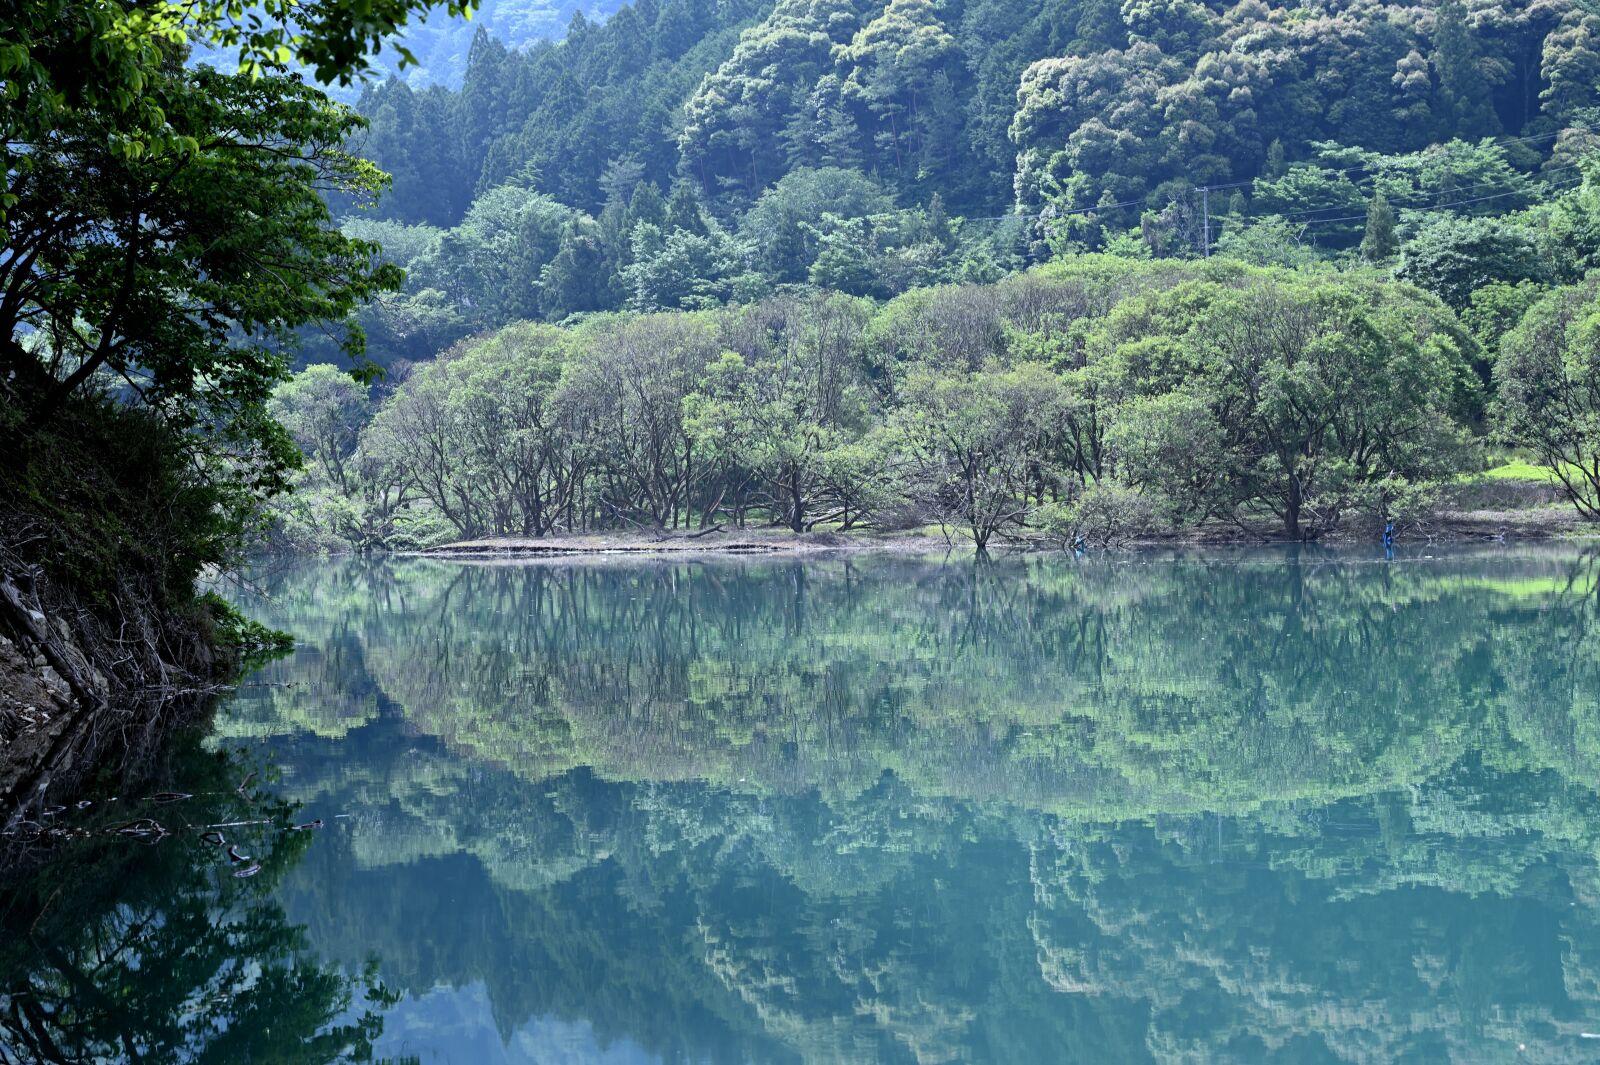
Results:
[1457, 527]
[721, 542]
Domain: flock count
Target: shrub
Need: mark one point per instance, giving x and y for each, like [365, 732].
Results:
[1103, 515]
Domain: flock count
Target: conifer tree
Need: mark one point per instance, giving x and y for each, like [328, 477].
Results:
[646, 206]
[683, 210]
[1380, 241]
[1277, 165]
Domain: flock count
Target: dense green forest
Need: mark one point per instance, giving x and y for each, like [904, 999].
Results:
[1088, 399]
[1067, 268]
[682, 153]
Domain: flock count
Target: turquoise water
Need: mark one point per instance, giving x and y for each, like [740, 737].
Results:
[1248, 806]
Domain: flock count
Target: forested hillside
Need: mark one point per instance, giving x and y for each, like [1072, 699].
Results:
[684, 153]
[440, 43]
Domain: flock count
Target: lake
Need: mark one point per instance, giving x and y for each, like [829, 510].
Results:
[1289, 806]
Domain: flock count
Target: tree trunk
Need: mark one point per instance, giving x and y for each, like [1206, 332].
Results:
[797, 506]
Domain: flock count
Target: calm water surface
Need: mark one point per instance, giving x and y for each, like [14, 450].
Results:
[1241, 807]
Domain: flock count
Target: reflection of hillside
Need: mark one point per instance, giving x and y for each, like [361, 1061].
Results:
[1105, 690]
[705, 924]
[1306, 940]
[879, 811]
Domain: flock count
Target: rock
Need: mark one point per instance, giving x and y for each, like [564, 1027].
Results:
[55, 681]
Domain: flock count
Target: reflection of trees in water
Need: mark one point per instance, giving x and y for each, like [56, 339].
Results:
[1355, 940]
[116, 951]
[709, 924]
[1110, 690]
[1407, 752]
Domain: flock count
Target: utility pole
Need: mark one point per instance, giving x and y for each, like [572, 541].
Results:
[1205, 209]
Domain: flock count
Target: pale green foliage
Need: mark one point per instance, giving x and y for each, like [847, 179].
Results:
[1101, 515]
[402, 245]
[1314, 393]
[787, 408]
[1170, 446]
[1268, 241]
[1548, 375]
[482, 435]
[323, 408]
[1101, 397]
[980, 444]
[345, 496]
[1497, 308]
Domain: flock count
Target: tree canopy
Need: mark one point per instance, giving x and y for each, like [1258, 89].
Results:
[1188, 392]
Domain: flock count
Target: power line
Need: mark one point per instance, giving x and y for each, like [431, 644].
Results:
[1463, 188]
[1231, 184]
[1494, 141]
[1568, 184]
[1027, 216]
[1335, 173]
[1306, 216]
[1103, 207]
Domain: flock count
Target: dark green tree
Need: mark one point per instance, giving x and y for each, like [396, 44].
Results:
[578, 278]
[183, 276]
[684, 211]
[1463, 106]
[1277, 164]
[1451, 257]
[646, 205]
[1379, 241]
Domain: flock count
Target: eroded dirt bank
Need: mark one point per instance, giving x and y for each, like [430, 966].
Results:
[84, 685]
